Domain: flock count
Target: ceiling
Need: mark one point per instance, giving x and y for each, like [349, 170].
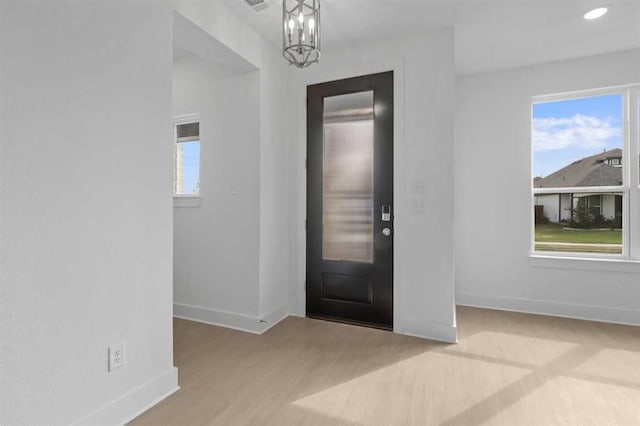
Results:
[490, 34]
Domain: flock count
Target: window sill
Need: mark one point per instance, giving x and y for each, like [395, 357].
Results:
[567, 261]
[186, 201]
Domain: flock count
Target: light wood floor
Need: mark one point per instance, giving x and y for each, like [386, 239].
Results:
[508, 369]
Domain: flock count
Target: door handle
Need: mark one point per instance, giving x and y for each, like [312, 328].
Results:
[386, 232]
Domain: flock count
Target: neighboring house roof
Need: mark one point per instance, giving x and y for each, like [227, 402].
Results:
[589, 171]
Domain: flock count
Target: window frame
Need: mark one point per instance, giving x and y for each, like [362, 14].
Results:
[630, 188]
[177, 121]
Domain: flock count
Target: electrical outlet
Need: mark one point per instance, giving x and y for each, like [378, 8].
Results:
[116, 356]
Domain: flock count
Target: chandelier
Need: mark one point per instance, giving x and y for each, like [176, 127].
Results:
[301, 32]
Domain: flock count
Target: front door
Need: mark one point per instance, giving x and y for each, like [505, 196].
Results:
[350, 200]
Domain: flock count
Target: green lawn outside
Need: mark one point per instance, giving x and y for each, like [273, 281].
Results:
[553, 232]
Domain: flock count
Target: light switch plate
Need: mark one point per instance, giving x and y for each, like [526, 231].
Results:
[418, 206]
[417, 187]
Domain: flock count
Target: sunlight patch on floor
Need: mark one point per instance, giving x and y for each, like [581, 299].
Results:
[417, 402]
[569, 401]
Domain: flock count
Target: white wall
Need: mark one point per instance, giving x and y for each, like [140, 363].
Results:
[85, 209]
[275, 228]
[493, 268]
[216, 245]
[609, 206]
[549, 202]
[247, 286]
[424, 91]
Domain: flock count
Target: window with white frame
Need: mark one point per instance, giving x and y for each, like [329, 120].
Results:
[186, 172]
[585, 165]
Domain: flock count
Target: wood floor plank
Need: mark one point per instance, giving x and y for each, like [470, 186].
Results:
[508, 369]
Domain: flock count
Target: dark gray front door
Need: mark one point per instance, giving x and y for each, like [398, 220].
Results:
[350, 200]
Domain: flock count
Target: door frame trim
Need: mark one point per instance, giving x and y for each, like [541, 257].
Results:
[299, 183]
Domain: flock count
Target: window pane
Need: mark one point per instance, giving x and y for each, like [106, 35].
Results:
[187, 169]
[347, 217]
[580, 222]
[578, 142]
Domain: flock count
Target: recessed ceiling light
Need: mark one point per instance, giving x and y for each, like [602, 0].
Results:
[595, 13]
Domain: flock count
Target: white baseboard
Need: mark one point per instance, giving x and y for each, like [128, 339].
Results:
[438, 332]
[432, 331]
[231, 320]
[135, 402]
[274, 317]
[542, 307]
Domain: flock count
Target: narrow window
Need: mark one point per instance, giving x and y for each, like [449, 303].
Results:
[186, 176]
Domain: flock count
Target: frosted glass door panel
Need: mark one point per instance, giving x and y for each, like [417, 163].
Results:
[347, 182]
